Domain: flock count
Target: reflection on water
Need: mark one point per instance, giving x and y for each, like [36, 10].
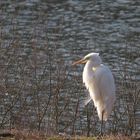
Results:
[67, 30]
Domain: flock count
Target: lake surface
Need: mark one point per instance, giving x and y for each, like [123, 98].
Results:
[39, 39]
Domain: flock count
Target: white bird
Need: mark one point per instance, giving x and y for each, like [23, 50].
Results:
[99, 81]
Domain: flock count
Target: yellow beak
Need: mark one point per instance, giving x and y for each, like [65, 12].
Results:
[81, 61]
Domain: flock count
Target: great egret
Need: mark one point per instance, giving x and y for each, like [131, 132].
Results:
[99, 81]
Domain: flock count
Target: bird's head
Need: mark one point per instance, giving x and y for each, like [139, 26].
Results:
[93, 57]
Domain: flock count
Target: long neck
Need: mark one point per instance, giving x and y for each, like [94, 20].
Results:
[90, 65]
[88, 72]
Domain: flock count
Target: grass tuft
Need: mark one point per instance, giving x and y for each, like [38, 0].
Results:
[24, 135]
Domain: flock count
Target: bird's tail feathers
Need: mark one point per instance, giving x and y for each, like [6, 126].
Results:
[106, 108]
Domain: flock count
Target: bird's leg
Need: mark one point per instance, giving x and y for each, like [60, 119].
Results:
[102, 123]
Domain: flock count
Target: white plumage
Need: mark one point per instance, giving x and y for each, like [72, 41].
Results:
[99, 81]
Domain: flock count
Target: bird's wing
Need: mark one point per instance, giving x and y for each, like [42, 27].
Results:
[106, 84]
[107, 91]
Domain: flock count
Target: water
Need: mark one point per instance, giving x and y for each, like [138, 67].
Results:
[39, 41]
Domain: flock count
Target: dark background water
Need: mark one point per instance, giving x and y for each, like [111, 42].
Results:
[39, 39]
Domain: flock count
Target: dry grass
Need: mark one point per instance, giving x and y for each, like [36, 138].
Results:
[23, 135]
